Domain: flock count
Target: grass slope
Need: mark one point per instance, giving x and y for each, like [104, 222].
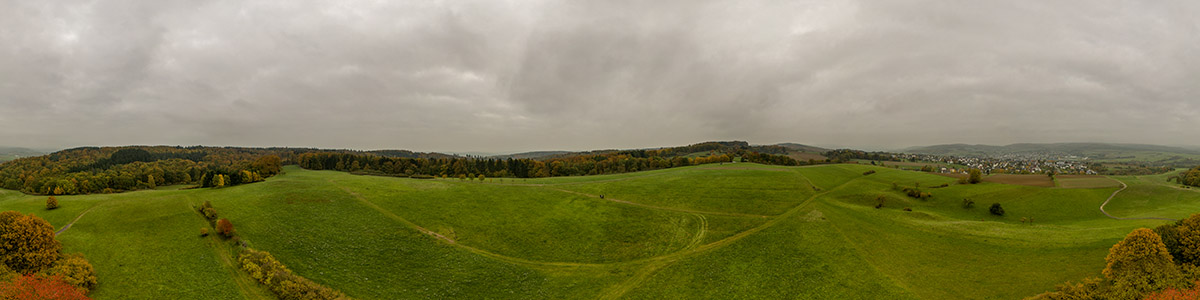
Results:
[742, 231]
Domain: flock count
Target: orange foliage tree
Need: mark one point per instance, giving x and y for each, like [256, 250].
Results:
[224, 227]
[1177, 294]
[31, 287]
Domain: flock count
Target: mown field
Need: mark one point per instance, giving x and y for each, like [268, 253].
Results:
[741, 230]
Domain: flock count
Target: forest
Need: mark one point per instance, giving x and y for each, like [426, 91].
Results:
[88, 170]
[576, 164]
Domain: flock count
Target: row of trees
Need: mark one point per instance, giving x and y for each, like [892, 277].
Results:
[115, 169]
[592, 164]
[1147, 264]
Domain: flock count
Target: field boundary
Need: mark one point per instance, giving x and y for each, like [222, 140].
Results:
[1114, 194]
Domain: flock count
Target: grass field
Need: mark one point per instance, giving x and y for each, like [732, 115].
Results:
[1085, 182]
[1021, 179]
[742, 231]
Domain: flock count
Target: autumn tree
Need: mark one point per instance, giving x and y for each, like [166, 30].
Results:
[974, 176]
[1140, 264]
[27, 243]
[75, 270]
[39, 287]
[1187, 235]
[51, 203]
[267, 165]
[224, 227]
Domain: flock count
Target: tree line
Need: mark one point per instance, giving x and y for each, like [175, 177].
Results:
[578, 164]
[90, 170]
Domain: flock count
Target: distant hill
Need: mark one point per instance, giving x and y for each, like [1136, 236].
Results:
[1095, 151]
[531, 155]
[410, 154]
[803, 148]
[11, 153]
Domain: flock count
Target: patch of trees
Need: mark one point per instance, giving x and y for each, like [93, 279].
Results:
[1147, 264]
[844, 155]
[974, 176]
[263, 267]
[28, 248]
[1189, 177]
[770, 159]
[115, 169]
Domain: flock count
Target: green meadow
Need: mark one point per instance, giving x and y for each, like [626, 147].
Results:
[717, 231]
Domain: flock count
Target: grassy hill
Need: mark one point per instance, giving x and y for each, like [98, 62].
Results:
[714, 231]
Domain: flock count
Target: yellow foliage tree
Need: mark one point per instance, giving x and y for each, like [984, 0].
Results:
[1188, 236]
[1140, 264]
[27, 243]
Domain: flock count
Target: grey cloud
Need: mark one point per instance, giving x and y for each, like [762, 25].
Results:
[524, 75]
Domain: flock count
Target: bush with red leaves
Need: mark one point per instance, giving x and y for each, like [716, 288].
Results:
[30, 287]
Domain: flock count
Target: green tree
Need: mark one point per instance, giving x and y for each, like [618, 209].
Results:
[974, 176]
[996, 209]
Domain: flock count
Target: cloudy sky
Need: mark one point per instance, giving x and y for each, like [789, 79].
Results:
[498, 76]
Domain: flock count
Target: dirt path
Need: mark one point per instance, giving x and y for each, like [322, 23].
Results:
[68, 226]
[713, 213]
[1114, 194]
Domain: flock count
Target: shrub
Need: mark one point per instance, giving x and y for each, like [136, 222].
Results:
[264, 268]
[869, 172]
[51, 203]
[908, 209]
[225, 228]
[974, 176]
[968, 203]
[996, 209]
[203, 231]
[39, 287]
[27, 243]
[1140, 264]
[917, 193]
[209, 213]
[74, 270]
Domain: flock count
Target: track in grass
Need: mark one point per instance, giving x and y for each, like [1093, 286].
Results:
[1114, 194]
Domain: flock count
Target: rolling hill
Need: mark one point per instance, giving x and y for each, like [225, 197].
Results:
[715, 231]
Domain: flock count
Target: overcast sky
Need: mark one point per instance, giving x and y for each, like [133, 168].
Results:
[496, 76]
